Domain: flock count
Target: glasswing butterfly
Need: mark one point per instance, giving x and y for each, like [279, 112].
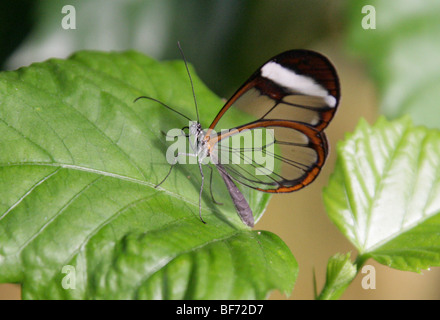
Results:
[293, 97]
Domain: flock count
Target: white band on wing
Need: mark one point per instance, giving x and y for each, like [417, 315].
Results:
[295, 82]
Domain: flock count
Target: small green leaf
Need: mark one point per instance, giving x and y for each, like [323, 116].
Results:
[79, 161]
[340, 272]
[384, 194]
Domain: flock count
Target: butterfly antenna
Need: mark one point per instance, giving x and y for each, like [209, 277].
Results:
[190, 79]
[163, 104]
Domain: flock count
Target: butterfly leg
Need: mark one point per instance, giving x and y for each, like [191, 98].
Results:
[201, 187]
[200, 194]
[166, 177]
[210, 188]
[172, 166]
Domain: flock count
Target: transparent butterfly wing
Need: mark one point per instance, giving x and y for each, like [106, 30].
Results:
[293, 97]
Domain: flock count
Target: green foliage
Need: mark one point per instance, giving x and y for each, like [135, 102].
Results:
[340, 272]
[79, 161]
[384, 197]
[78, 164]
[384, 193]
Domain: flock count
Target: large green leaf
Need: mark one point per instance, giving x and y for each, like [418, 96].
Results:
[384, 194]
[78, 165]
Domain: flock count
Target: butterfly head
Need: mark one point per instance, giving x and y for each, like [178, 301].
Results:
[195, 129]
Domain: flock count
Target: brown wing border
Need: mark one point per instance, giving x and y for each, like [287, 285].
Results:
[317, 141]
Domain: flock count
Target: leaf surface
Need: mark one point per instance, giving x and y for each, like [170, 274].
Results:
[79, 161]
[384, 194]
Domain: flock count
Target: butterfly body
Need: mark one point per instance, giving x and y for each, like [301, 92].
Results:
[200, 149]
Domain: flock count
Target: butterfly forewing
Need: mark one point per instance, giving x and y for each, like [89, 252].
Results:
[292, 98]
[297, 85]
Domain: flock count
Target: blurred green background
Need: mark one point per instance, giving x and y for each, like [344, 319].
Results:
[226, 40]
